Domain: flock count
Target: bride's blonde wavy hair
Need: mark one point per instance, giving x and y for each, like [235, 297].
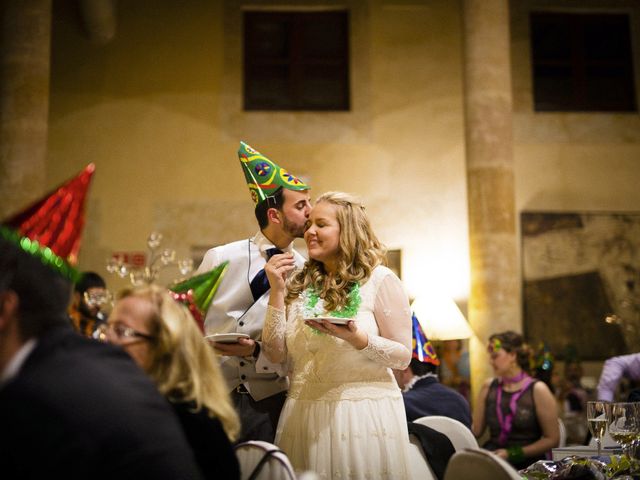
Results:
[359, 252]
[182, 364]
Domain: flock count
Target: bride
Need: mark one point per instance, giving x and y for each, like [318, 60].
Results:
[341, 323]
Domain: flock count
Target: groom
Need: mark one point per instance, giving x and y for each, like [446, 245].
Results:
[282, 206]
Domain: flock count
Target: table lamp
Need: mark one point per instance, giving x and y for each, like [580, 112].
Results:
[440, 318]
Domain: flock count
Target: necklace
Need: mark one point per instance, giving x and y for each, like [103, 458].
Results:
[506, 421]
[515, 379]
[314, 305]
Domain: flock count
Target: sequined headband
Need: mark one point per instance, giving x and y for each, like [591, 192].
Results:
[41, 252]
[494, 345]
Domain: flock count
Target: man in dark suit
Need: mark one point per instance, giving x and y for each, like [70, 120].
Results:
[70, 406]
[422, 392]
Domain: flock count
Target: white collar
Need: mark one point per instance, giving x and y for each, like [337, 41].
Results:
[417, 378]
[15, 364]
[263, 244]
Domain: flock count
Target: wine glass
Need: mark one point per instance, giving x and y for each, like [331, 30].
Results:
[597, 421]
[185, 266]
[98, 298]
[624, 424]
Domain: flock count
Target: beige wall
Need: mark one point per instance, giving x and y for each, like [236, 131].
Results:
[158, 110]
[572, 161]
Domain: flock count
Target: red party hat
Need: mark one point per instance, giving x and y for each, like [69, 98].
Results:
[57, 220]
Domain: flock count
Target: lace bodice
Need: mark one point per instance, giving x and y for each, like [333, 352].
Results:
[323, 366]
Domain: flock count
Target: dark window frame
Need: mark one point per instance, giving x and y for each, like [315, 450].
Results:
[295, 59]
[566, 80]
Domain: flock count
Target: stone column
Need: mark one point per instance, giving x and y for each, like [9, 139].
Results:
[24, 101]
[494, 303]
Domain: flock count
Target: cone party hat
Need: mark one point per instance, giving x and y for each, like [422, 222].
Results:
[263, 176]
[197, 292]
[422, 348]
[57, 220]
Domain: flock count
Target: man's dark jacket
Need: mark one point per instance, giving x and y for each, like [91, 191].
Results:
[429, 397]
[80, 409]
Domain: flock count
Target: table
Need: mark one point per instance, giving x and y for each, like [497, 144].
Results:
[583, 451]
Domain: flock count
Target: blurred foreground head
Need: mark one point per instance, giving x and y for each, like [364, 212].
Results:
[41, 290]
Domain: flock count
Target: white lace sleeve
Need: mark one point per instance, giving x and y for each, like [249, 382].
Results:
[392, 347]
[274, 335]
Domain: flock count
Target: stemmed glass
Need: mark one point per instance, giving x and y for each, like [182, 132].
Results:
[98, 298]
[624, 424]
[597, 421]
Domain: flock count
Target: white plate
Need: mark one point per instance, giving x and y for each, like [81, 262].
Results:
[334, 320]
[226, 337]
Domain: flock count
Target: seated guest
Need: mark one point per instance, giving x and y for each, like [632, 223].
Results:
[454, 368]
[422, 392]
[86, 318]
[613, 371]
[572, 397]
[163, 338]
[520, 411]
[71, 407]
[543, 366]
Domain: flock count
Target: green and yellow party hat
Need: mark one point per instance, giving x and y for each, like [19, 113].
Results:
[263, 176]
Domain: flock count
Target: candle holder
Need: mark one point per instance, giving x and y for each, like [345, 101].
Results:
[157, 259]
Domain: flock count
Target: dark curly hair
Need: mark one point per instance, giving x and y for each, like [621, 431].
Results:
[43, 293]
[513, 342]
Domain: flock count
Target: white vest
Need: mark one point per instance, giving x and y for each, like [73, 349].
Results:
[234, 310]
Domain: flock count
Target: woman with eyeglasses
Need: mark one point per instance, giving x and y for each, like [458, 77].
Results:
[162, 337]
[520, 411]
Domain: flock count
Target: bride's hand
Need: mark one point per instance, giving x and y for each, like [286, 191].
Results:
[349, 332]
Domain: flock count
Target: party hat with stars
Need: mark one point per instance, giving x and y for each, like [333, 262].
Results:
[423, 351]
[263, 176]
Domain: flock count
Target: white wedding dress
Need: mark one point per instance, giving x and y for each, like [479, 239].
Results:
[344, 417]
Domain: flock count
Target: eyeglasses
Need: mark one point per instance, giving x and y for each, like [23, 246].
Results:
[120, 331]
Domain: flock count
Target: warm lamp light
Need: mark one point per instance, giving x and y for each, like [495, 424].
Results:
[440, 318]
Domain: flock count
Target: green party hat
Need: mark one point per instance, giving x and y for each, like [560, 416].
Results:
[197, 292]
[263, 176]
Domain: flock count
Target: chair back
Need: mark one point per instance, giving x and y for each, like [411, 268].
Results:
[263, 461]
[479, 464]
[419, 465]
[563, 433]
[459, 435]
